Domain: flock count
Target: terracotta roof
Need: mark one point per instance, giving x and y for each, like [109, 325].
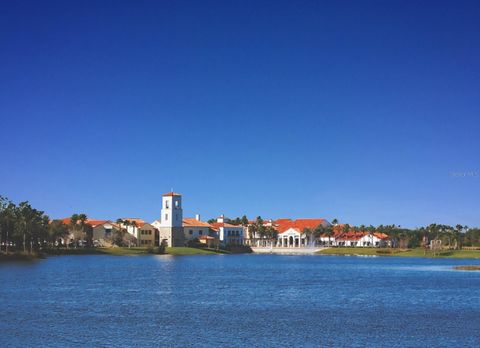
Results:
[139, 222]
[91, 222]
[380, 235]
[217, 225]
[300, 224]
[281, 221]
[171, 194]
[195, 222]
[352, 236]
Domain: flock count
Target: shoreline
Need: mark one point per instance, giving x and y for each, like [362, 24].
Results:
[188, 251]
[391, 252]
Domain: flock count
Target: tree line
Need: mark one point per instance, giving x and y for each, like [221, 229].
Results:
[24, 228]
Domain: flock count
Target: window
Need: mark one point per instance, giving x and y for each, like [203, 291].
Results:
[166, 205]
[166, 216]
[200, 232]
[177, 204]
[190, 232]
[176, 217]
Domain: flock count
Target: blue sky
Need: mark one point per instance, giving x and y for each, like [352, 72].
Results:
[365, 111]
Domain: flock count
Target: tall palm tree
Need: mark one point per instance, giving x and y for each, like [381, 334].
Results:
[308, 232]
[328, 231]
[74, 225]
[252, 231]
[82, 219]
[318, 232]
[134, 225]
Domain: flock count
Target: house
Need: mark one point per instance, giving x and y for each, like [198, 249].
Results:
[104, 233]
[353, 238]
[228, 234]
[209, 241]
[148, 235]
[194, 228]
[375, 239]
[291, 233]
[76, 234]
[254, 238]
[132, 225]
[330, 239]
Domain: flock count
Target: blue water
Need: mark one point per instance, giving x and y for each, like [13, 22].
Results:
[239, 300]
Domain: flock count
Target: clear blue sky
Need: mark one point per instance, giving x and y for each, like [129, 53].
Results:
[365, 111]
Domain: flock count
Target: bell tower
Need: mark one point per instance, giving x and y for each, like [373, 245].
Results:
[171, 214]
[171, 220]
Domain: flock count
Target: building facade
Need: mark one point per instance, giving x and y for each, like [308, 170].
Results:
[228, 234]
[148, 235]
[170, 226]
[194, 228]
[292, 233]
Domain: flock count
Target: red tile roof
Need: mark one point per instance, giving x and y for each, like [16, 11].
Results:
[217, 225]
[352, 236]
[381, 235]
[139, 222]
[171, 194]
[195, 222]
[91, 222]
[299, 224]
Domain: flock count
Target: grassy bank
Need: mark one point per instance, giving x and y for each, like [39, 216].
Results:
[468, 268]
[18, 256]
[193, 251]
[122, 251]
[417, 252]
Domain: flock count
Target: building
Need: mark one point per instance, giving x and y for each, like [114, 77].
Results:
[194, 228]
[353, 238]
[132, 225]
[148, 235]
[209, 241]
[291, 233]
[76, 234]
[253, 237]
[170, 225]
[104, 233]
[228, 234]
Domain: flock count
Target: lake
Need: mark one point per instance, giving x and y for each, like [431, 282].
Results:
[239, 300]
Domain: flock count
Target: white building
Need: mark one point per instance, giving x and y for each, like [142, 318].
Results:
[228, 234]
[291, 233]
[132, 226]
[195, 228]
[170, 226]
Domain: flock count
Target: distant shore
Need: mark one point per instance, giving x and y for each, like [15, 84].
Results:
[185, 251]
[417, 252]
[118, 251]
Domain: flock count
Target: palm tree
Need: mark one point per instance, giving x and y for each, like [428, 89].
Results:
[82, 218]
[328, 231]
[308, 232]
[271, 233]
[252, 231]
[134, 225]
[74, 225]
[262, 232]
[318, 231]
